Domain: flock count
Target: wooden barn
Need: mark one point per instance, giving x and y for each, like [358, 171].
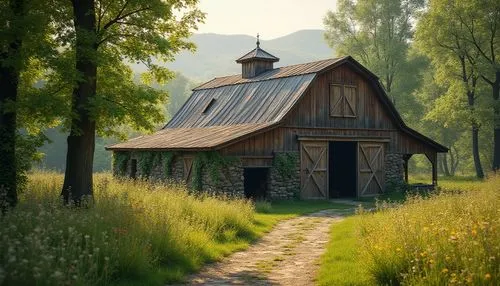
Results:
[318, 130]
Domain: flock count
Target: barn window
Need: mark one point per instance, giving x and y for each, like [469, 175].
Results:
[209, 106]
[343, 100]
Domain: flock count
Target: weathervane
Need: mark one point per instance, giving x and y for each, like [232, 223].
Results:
[258, 42]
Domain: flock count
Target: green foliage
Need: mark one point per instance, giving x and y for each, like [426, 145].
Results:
[378, 34]
[120, 161]
[286, 164]
[145, 162]
[212, 162]
[167, 159]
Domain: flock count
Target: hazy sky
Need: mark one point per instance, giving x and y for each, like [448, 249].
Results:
[269, 18]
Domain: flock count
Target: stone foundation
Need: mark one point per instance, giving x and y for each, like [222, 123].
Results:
[394, 172]
[281, 187]
[228, 181]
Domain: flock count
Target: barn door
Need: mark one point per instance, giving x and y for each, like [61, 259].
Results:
[313, 170]
[370, 168]
[188, 167]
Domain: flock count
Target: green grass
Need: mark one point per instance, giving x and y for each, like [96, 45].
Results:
[342, 263]
[444, 238]
[134, 232]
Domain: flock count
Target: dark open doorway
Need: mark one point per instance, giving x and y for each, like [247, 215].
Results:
[255, 182]
[342, 169]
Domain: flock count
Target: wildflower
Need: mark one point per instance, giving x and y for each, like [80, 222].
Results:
[398, 249]
[444, 271]
[487, 276]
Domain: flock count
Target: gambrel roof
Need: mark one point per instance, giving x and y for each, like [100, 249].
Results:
[228, 109]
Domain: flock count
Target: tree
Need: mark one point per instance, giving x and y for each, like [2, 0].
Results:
[98, 35]
[378, 34]
[456, 62]
[23, 49]
[481, 22]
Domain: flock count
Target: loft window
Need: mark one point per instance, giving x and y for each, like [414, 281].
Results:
[343, 100]
[209, 106]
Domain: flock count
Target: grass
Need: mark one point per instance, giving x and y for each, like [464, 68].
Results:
[446, 238]
[341, 264]
[133, 232]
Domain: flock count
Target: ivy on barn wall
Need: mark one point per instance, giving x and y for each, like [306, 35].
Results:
[145, 161]
[286, 164]
[167, 158]
[120, 162]
[213, 162]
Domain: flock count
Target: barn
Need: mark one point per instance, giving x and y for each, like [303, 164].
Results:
[318, 130]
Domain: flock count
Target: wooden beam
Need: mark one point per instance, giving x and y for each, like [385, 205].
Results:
[342, 138]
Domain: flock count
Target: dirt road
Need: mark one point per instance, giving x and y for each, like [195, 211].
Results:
[288, 255]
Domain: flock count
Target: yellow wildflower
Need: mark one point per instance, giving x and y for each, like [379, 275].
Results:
[487, 276]
[445, 270]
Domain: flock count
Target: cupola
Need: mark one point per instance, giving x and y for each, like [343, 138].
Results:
[256, 62]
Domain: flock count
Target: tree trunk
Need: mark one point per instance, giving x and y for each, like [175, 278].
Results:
[445, 165]
[496, 124]
[475, 152]
[81, 140]
[9, 81]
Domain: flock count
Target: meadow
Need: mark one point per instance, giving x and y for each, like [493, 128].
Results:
[449, 237]
[133, 231]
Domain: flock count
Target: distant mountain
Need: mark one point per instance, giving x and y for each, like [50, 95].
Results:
[216, 54]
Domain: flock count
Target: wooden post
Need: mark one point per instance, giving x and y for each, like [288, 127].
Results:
[434, 170]
[433, 159]
[406, 158]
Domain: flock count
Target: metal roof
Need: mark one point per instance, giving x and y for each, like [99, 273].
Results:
[191, 138]
[265, 101]
[280, 72]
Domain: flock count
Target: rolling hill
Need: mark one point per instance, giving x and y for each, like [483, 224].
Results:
[216, 54]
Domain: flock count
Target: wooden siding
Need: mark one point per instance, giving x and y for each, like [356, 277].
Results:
[312, 109]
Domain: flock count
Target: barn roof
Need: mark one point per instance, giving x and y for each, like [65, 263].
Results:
[192, 138]
[227, 109]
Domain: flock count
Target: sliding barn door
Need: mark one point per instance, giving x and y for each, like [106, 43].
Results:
[313, 170]
[370, 168]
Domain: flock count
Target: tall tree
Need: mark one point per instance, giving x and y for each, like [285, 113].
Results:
[481, 22]
[378, 34]
[23, 44]
[100, 34]
[10, 68]
[456, 62]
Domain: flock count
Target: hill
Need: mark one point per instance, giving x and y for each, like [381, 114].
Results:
[216, 54]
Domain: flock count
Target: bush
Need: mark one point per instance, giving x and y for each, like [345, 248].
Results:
[134, 230]
[446, 238]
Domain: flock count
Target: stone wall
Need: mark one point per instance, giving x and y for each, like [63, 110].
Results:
[394, 172]
[282, 187]
[227, 181]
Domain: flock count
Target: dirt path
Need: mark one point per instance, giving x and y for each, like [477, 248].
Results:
[288, 255]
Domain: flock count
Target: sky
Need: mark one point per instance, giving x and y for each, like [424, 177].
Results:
[270, 18]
